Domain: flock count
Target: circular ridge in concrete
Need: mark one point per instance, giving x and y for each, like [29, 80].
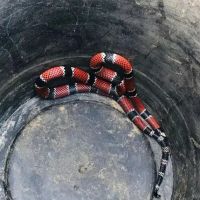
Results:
[80, 150]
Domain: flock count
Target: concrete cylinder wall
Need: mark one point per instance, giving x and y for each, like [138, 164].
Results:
[161, 37]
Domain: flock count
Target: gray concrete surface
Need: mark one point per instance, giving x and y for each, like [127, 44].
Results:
[162, 37]
[81, 150]
[89, 150]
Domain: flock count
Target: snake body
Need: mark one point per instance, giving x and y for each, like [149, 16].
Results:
[110, 75]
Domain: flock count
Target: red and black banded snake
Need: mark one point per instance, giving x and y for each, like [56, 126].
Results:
[111, 75]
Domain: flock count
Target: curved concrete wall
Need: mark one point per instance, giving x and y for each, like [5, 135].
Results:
[162, 37]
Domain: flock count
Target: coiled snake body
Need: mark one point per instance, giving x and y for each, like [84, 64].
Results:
[111, 75]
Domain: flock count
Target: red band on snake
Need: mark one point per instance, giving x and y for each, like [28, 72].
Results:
[119, 84]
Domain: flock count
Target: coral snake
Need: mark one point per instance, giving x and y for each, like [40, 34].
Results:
[111, 75]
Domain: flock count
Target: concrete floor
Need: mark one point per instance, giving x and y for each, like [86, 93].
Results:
[80, 147]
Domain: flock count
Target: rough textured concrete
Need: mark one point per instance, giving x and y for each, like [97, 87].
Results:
[161, 36]
[72, 160]
[84, 132]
